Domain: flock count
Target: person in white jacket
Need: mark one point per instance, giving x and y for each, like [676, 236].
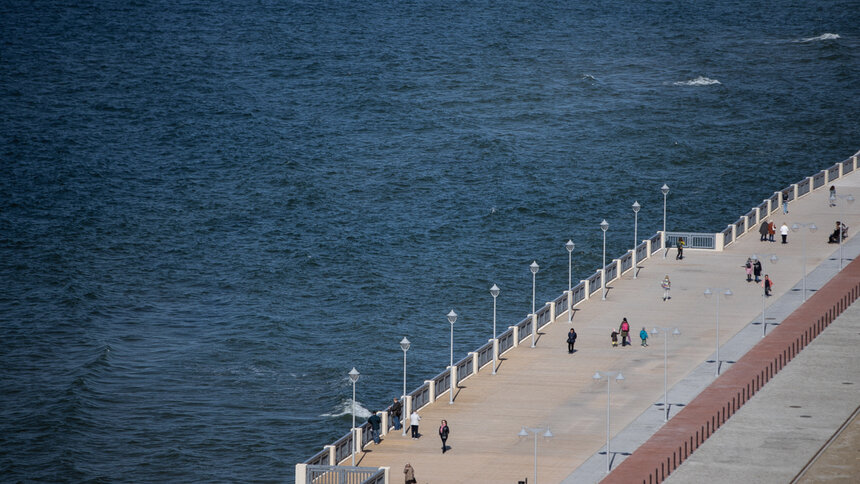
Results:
[414, 418]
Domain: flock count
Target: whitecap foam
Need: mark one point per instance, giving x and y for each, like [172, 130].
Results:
[345, 408]
[820, 37]
[699, 81]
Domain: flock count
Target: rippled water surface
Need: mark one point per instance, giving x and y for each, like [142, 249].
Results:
[211, 211]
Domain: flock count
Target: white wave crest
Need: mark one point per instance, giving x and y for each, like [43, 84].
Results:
[345, 408]
[699, 81]
[820, 37]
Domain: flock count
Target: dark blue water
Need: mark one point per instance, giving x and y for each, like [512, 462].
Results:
[212, 211]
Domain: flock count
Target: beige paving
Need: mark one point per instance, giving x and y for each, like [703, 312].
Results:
[545, 386]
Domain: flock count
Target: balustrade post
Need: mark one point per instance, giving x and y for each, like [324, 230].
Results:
[734, 232]
[495, 342]
[453, 385]
[431, 390]
[841, 173]
[551, 311]
[331, 454]
[384, 425]
[647, 248]
[586, 286]
[794, 187]
[357, 438]
[516, 335]
[603, 280]
[301, 474]
[779, 198]
[826, 177]
[475, 366]
[757, 215]
[719, 241]
[617, 268]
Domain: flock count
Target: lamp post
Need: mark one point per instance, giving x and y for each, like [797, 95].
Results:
[665, 190]
[773, 260]
[525, 433]
[850, 199]
[452, 318]
[618, 379]
[795, 227]
[534, 268]
[636, 208]
[569, 246]
[727, 293]
[604, 226]
[494, 291]
[404, 345]
[353, 377]
[665, 331]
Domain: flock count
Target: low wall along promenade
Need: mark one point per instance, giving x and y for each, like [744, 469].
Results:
[581, 434]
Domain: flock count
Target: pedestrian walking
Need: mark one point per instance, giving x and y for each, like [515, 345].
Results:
[643, 335]
[624, 327]
[762, 230]
[785, 202]
[771, 231]
[443, 434]
[832, 195]
[374, 422]
[783, 231]
[768, 285]
[667, 286]
[413, 420]
[749, 269]
[614, 337]
[571, 340]
[396, 413]
[757, 270]
[680, 245]
[409, 474]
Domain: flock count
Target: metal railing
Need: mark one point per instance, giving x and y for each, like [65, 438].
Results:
[543, 315]
[319, 459]
[740, 228]
[774, 202]
[325, 474]
[464, 368]
[578, 294]
[561, 304]
[693, 240]
[803, 187]
[525, 327]
[833, 172]
[818, 179]
[727, 236]
[343, 448]
[506, 340]
[441, 383]
[626, 261]
[655, 243]
[485, 354]
[611, 271]
[762, 210]
[641, 252]
[847, 166]
[421, 396]
[594, 283]
[751, 218]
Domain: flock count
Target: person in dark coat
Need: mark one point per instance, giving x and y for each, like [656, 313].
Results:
[768, 285]
[443, 434]
[571, 340]
[762, 229]
[396, 413]
[374, 422]
[757, 270]
[625, 332]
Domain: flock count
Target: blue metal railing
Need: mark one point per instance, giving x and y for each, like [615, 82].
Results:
[818, 179]
[506, 340]
[594, 283]
[803, 187]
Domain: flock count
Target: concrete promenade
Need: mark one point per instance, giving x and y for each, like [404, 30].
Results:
[546, 386]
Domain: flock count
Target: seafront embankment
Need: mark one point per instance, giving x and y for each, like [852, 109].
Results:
[545, 386]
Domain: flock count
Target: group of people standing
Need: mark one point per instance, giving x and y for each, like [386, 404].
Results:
[767, 230]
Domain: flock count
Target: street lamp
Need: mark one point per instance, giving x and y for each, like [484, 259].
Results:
[452, 318]
[636, 208]
[525, 433]
[353, 377]
[404, 345]
[534, 268]
[604, 226]
[773, 260]
[850, 199]
[812, 228]
[727, 293]
[569, 246]
[665, 331]
[494, 291]
[665, 190]
[618, 379]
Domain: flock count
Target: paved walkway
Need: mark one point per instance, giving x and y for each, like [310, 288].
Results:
[545, 386]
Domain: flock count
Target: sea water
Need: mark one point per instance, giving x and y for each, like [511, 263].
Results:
[212, 211]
